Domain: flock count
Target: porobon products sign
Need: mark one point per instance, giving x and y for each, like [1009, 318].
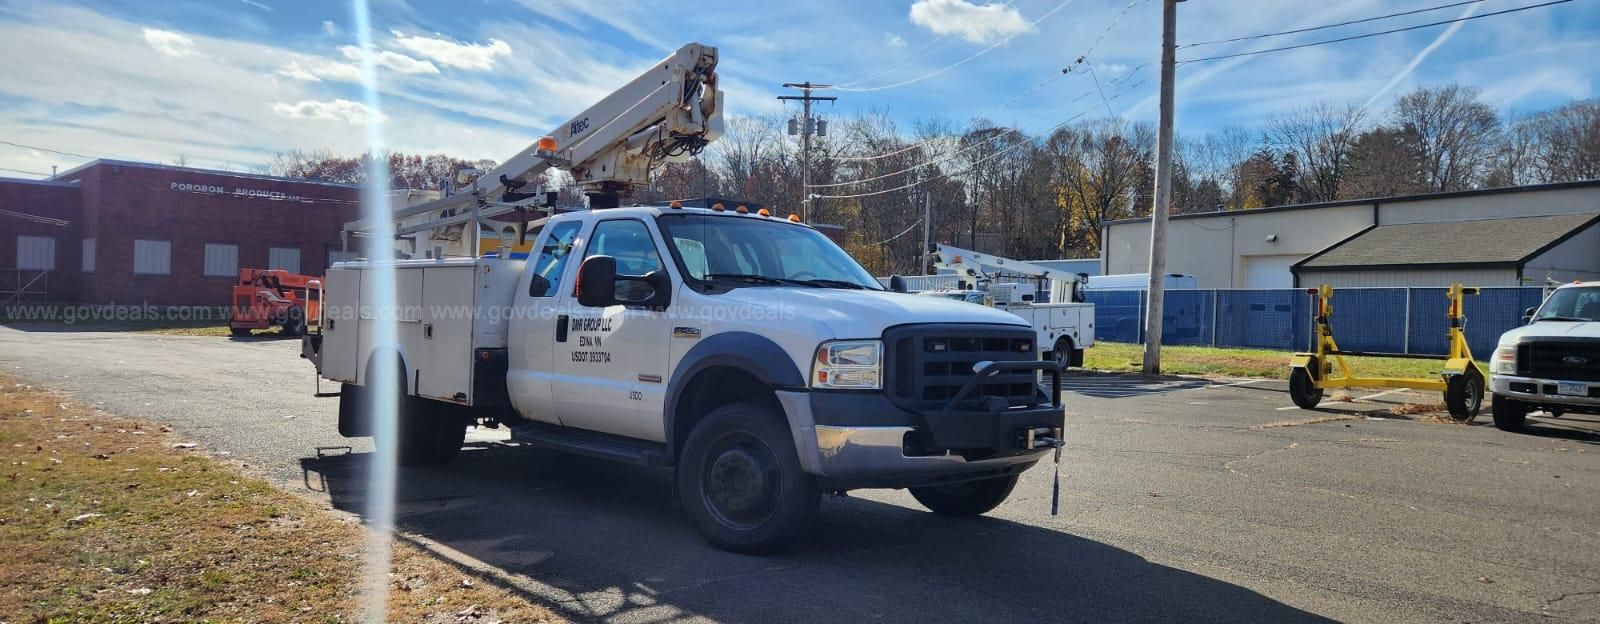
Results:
[212, 189]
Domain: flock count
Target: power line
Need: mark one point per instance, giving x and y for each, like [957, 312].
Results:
[1326, 26]
[951, 156]
[1386, 32]
[926, 49]
[985, 159]
[46, 149]
[964, 61]
[896, 236]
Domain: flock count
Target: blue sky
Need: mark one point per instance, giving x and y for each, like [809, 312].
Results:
[229, 82]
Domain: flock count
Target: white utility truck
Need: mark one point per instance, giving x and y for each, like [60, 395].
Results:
[1064, 325]
[746, 351]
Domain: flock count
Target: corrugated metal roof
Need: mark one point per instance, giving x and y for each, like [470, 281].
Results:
[1479, 242]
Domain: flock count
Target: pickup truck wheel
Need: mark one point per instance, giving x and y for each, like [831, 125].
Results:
[739, 480]
[1302, 390]
[1509, 414]
[972, 498]
[1463, 395]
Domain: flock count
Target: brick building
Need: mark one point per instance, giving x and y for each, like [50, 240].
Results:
[139, 233]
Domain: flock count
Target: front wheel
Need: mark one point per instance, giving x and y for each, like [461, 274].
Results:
[740, 482]
[972, 498]
[1509, 414]
[1463, 394]
[1303, 390]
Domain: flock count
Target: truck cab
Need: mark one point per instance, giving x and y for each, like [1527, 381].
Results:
[747, 352]
[1552, 362]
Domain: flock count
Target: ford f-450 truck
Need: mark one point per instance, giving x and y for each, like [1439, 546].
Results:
[747, 352]
[1552, 362]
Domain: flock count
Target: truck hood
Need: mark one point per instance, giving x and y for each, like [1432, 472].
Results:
[1552, 329]
[866, 313]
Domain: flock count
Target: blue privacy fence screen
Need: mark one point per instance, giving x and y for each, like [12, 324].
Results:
[1380, 320]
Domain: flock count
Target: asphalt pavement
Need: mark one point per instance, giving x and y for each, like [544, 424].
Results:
[1183, 500]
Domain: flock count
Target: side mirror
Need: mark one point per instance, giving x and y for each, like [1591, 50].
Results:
[597, 282]
[897, 283]
[1527, 315]
[651, 290]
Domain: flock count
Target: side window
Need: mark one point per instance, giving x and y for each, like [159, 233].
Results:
[552, 260]
[628, 241]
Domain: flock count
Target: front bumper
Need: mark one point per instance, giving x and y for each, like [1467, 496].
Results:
[861, 439]
[1541, 391]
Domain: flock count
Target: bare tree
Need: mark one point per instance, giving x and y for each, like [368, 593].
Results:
[1454, 134]
[1567, 142]
[1320, 136]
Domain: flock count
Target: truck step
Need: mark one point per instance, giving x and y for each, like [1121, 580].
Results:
[593, 443]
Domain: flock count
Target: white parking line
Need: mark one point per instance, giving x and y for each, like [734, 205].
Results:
[1374, 396]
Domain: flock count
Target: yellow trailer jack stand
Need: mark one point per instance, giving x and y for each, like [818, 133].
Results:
[1461, 381]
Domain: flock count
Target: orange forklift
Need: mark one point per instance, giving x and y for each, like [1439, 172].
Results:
[267, 298]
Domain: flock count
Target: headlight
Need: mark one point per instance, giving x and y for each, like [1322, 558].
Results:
[1504, 361]
[848, 364]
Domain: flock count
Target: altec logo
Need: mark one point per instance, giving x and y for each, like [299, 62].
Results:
[212, 189]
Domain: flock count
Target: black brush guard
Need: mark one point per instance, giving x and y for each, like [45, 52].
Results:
[992, 423]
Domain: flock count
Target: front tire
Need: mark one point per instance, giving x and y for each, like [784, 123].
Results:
[1463, 394]
[1509, 414]
[1302, 390]
[973, 498]
[740, 482]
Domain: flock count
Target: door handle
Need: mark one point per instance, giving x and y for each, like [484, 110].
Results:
[561, 328]
[427, 330]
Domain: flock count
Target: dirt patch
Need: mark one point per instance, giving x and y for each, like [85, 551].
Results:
[107, 519]
[1309, 421]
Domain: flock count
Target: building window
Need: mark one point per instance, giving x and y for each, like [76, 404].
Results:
[284, 258]
[88, 255]
[152, 257]
[36, 253]
[222, 260]
[335, 255]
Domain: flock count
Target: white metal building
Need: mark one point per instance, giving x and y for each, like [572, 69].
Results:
[1259, 248]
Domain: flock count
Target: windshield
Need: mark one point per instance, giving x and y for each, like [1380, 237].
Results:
[1571, 304]
[736, 251]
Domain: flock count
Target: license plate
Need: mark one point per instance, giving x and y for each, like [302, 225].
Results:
[1572, 388]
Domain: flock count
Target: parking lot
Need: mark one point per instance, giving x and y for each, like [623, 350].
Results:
[1183, 500]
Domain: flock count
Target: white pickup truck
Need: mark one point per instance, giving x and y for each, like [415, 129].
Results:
[1552, 362]
[748, 352]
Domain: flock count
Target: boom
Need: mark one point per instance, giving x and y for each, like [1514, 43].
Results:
[969, 264]
[671, 111]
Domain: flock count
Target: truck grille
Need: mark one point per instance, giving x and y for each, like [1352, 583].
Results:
[928, 364]
[1563, 360]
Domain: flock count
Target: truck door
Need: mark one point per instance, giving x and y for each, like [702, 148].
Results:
[532, 337]
[611, 367]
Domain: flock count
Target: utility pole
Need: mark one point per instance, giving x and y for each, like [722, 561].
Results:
[1158, 215]
[927, 228]
[806, 128]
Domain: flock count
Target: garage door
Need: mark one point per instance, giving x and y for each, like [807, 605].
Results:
[1269, 271]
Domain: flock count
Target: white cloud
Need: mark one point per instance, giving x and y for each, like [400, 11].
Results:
[354, 113]
[175, 45]
[392, 60]
[896, 41]
[329, 28]
[985, 23]
[314, 69]
[479, 56]
[257, 5]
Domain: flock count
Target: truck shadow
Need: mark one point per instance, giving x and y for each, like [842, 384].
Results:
[596, 540]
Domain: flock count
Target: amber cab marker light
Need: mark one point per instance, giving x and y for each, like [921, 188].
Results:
[742, 209]
[764, 212]
[794, 217]
[717, 207]
[675, 204]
